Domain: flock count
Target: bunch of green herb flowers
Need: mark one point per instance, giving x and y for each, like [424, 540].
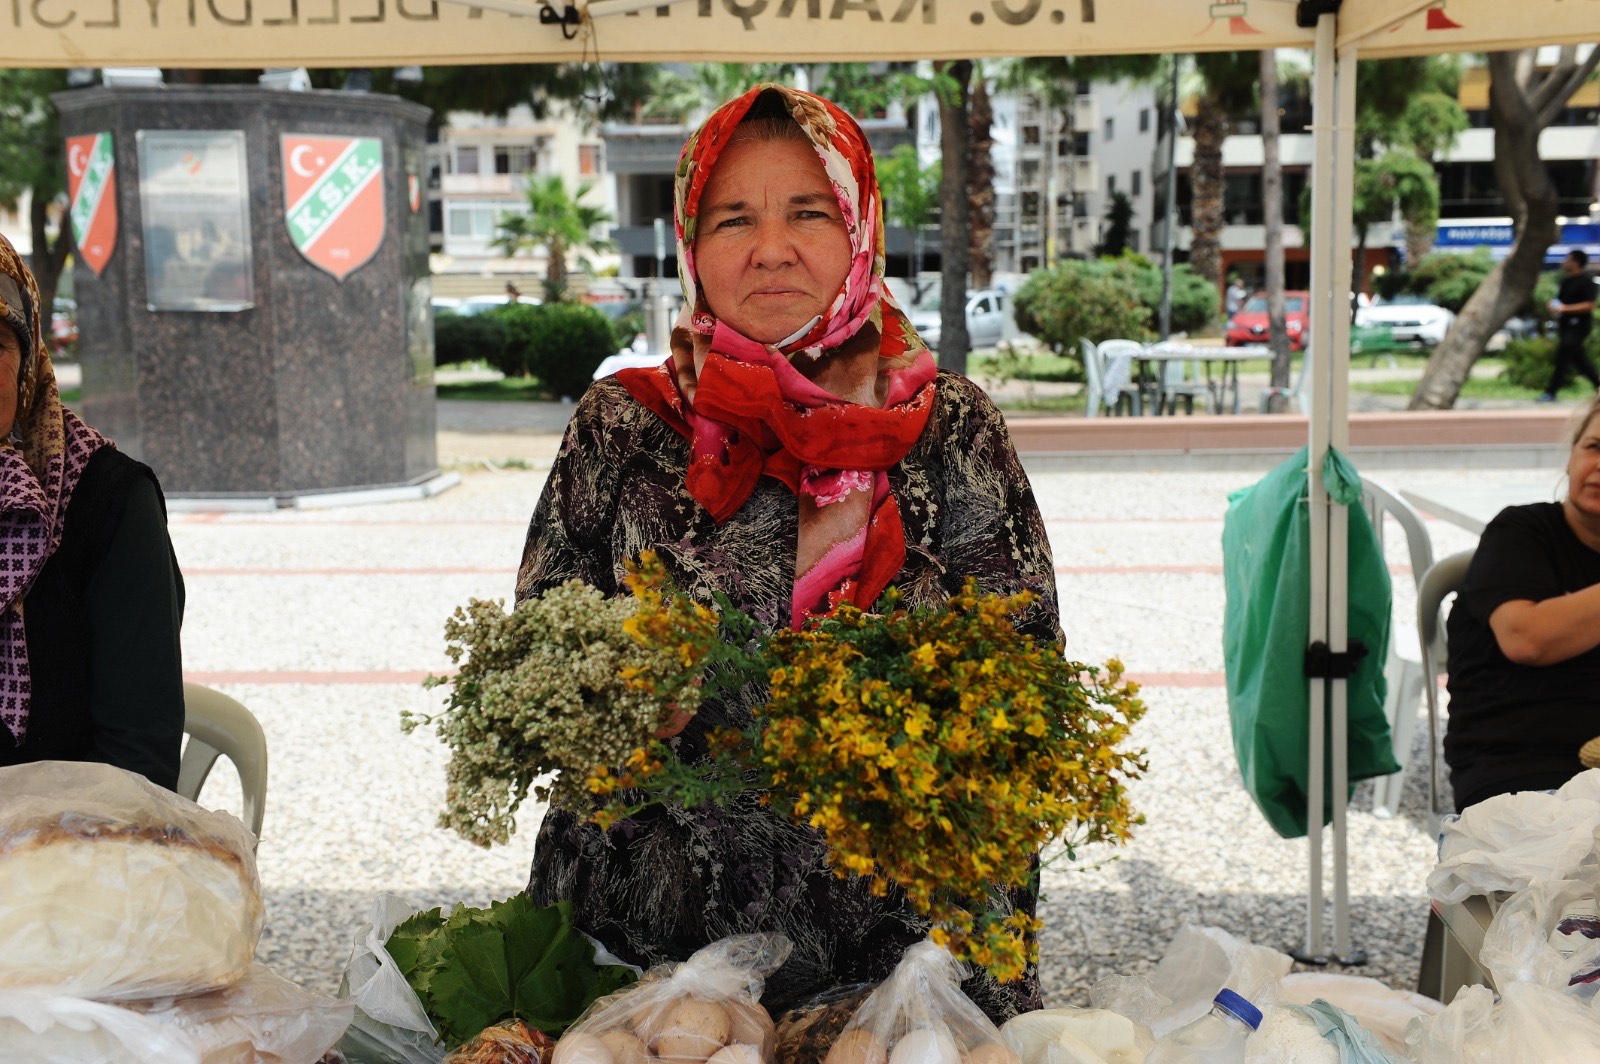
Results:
[564, 696]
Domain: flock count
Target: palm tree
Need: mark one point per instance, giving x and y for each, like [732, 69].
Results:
[1224, 84]
[680, 97]
[558, 222]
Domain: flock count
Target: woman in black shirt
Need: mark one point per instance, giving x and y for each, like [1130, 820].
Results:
[1524, 639]
[90, 668]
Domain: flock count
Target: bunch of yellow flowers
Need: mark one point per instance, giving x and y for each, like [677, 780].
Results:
[939, 749]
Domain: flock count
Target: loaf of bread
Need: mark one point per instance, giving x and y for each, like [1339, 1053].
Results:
[114, 889]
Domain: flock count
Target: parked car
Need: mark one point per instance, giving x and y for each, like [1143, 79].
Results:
[63, 327]
[986, 319]
[1248, 327]
[1410, 319]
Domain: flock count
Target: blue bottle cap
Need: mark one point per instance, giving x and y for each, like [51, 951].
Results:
[1238, 1005]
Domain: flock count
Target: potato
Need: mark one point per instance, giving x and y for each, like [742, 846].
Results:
[625, 1048]
[859, 1046]
[925, 1046]
[749, 1024]
[692, 1032]
[581, 1049]
[988, 1053]
[737, 1053]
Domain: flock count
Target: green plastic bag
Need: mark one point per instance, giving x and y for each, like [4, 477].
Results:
[1266, 562]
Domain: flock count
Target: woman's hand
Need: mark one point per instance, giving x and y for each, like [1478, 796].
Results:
[1548, 632]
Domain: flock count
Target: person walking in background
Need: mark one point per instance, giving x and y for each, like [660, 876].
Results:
[1573, 309]
[1233, 300]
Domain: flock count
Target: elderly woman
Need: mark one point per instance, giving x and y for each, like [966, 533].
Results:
[1524, 639]
[93, 598]
[798, 449]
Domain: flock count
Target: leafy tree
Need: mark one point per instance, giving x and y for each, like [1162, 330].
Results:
[558, 222]
[679, 97]
[1524, 98]
[910, 195]
[1119, 226]
[31, 161]
[597, 91]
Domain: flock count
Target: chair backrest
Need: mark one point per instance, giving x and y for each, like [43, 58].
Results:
[219, 726]
[1113, 348]
[1441, 580]
[1378, 499]
[1093, 380]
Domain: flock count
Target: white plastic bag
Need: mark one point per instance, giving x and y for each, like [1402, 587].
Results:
[920, 1016]
[1585, 784]
[42, 1027]
[1382, 1010]
[1548, 934]
[1457, 1034]
[112, 888]
[707, 1008]
[1199, 962]
[1511, 840]
[389, 1025]
[1075, 1036]
[1534, 1025]
[261, 1019]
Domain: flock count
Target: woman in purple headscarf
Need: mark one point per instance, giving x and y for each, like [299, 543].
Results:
[89, 657]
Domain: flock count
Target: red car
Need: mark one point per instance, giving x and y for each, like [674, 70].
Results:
[1249, 326]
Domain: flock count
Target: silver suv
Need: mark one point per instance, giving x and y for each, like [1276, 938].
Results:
[986, 318]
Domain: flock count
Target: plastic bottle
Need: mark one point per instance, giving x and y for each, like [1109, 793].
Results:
[1218, 1037]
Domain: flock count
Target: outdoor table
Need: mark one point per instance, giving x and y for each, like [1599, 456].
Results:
[1472, 506]
[1221, 370]
[1454, 940]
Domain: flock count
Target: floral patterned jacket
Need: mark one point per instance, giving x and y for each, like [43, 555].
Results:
[659, 886]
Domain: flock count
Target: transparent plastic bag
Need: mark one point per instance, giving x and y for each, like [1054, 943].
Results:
[1535, 1025]
[1549, 935]
[1354, 1043]
[115, 889]
[1199, 962]
[920, 1016]
[708, 1008]
[1506, 842]
[43, 1027]
[261, 1018]
[389, 1025]
[1457, 1034]
[1076, 1036]
[1585, 784]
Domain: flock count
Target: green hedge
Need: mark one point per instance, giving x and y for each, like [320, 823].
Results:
[1528, 362]
[559, 343]
[467, 337]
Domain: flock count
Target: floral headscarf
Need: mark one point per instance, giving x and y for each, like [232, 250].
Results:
[40, 464]
[749, 411]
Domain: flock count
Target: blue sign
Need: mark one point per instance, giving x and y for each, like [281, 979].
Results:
[1497, 237]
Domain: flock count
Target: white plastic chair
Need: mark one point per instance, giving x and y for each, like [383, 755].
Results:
[1403, 669]
[1442, 580]
[1116, 360]
[1093, 383]
[219, 726]
[1181, 378]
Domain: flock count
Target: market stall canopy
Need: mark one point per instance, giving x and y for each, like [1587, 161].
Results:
[343, 33]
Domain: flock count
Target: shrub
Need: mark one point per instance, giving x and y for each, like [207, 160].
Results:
[1528, 362]
[627, 325]
[1074, 299]
[559, 343]
[464, 338]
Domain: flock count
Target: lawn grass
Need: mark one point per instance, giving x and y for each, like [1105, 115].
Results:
[1473, 388]
[71, 396]
[506, 390]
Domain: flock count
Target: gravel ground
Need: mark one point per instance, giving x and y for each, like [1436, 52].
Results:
[321, 622]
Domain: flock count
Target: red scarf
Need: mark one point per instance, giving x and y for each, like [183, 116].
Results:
[748, 411]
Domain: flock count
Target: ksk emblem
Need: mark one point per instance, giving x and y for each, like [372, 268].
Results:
[92, 190]
[333, 199]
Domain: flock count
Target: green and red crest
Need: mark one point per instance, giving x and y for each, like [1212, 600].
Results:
[333, 199]
[92, 190]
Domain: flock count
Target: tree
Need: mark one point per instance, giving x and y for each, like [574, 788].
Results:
[980, 184]
[680, 97]
[31, 161]
[556, 221]
[1272, 220]
[1523, 100]
[1119, 226]
[1224, 85]
[910, 195]
[954, 77]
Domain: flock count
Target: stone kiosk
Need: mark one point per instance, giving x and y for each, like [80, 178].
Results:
[252, 286]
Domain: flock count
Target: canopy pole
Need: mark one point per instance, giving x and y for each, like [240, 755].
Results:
[1338, 393]
[1317, 349]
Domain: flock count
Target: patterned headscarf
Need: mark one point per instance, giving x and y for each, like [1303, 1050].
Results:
[749, 411]
[40, 463]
